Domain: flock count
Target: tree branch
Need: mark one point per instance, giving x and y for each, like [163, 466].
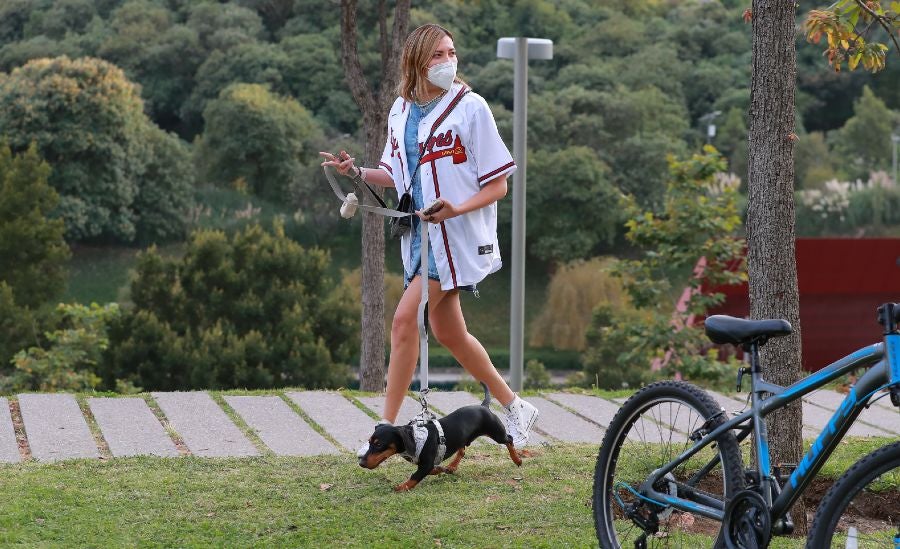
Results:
[390, 61]
[353, 72]
[382, 32]
[881, 22]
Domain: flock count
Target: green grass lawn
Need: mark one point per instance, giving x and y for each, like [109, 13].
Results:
[326, 501]
[299, 502]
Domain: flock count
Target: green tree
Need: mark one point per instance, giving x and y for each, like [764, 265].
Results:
[254, 135]
[88, 122]
[813, 161]
[149, 44]
[864, 142]
[62, 17]
[252, 310]
[574, 181]
[699, 220]
[31, 244]
[15, 54]
[311, 76]
[166, 190]
[252, 63]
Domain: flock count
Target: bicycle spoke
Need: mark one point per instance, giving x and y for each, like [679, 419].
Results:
[657, 435]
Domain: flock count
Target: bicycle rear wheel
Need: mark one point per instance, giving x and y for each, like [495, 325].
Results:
[652, 428]
[862, 509]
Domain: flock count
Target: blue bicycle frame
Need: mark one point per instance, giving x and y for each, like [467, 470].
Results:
[883, 372]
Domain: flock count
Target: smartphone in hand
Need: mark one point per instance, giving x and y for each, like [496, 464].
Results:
[433, 207]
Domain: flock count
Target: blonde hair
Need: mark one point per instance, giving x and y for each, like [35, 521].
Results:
[420, 46]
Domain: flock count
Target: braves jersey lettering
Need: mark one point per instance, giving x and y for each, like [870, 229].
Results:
[462, 154]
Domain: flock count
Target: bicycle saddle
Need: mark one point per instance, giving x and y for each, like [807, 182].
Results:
[738, 331]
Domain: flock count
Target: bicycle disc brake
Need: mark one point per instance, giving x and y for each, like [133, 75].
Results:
[747, 524]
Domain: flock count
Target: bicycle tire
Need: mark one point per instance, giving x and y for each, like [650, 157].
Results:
[619, 436]
[833, 517]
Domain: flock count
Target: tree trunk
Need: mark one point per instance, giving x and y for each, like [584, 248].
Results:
[375, 109]
[772, 264]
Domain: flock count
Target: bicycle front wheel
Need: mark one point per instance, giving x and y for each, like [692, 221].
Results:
[653, 427]
[862, 509]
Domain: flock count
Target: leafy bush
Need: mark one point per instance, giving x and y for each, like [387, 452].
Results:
[552, 359]
[699, 221]
[69, 359]
[842, 207]
[574, 290]
[18, 326]
[254, 310]
[536, 375]
[615, 357]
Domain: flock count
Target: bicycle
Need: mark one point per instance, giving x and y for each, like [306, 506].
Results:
[670, 468]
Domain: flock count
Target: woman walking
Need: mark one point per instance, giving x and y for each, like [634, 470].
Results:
[443, 144]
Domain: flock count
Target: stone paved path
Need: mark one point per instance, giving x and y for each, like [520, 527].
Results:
[130, 428]
[56, 427]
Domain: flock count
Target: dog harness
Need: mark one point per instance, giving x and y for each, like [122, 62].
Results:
[420, 435]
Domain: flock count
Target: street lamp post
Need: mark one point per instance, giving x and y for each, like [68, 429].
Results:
[710, 127]
[520, 50]
[895, 139]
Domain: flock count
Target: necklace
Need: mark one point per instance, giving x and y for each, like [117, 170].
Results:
[427, 103]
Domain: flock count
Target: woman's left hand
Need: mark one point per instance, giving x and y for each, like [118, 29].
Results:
[447, 211]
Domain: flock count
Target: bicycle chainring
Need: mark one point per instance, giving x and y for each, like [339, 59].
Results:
[748, 522]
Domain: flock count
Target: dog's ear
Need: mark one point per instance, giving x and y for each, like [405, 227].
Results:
[407, 439]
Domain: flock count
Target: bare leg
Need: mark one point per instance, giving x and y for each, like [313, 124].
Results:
[404, 349]
[449, 327]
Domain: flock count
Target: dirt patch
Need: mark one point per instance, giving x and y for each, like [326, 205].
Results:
[868, 511]
[19, 428]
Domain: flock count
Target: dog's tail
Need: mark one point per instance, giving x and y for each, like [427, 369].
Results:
[487, 395]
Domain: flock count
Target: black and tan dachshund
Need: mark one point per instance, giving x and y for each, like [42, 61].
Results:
[459, 428]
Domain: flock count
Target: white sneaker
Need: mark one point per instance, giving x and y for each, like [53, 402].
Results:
[520, 416]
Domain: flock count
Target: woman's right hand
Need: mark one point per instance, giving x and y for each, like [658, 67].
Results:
[341, 161]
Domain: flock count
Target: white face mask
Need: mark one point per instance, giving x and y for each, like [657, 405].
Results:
[442, 75]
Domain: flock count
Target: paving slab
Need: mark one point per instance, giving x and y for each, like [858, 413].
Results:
[9, 449]
[557, 422]
[203, 426]
[886, 421]
[409, 408]
[599, 410]
[282, 430]
[56, 428]
[738, 402]
[817, 418]
[130, 428]
[885, 402]
[339, 417]
[448, 401]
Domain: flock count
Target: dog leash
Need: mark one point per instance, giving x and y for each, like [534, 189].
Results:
[426, 415]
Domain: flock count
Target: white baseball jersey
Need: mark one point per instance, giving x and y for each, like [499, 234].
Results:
[464, 153]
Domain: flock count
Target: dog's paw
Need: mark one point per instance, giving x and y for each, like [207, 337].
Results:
[405, 486]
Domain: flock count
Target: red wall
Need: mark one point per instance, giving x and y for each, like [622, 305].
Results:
[841, 282]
